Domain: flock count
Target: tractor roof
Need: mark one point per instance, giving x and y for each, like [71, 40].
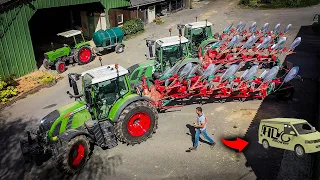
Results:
[69, 33]
[284, 120]
[105, 73]
[172, 40]
[199, 24]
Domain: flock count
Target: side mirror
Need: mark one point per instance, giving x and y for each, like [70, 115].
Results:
[52, 46]
[292, 133]
[88, 97]
[313, 128]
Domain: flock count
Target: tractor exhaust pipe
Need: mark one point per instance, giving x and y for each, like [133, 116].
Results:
[179, 27]
[150, 43]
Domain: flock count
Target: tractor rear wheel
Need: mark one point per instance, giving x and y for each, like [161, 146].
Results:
[119, 48]
[46, 64]
[137, 123]
[72, 156]
[84, 55]
[61, 66]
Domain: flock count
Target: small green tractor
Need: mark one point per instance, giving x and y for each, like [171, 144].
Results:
[108, 111]
[169, 52]
[78, 50]
[199, 34]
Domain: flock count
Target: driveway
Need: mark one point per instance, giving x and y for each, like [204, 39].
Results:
[163, 156]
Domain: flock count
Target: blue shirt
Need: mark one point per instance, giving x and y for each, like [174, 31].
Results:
[202, 120]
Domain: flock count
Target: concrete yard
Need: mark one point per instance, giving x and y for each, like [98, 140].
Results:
[164, 156]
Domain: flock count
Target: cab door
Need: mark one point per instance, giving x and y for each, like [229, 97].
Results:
[291, 136]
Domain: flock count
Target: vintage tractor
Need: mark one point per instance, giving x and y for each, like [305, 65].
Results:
[107, 111]
[199, 34]
[78, 51]
[169, 52]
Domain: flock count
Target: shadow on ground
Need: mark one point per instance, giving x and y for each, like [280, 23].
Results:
[276, 163]
[12, 166]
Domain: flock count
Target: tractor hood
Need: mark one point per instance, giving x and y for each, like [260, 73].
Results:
[53, 55]
[311, 136]
[47, 121]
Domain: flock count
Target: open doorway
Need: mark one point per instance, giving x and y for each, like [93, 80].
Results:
[47, 23]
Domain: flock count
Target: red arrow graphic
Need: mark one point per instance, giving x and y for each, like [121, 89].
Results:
[239, 144]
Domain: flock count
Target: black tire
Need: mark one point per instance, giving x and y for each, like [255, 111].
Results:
[61, 66]
[46, 64]
[299, 150]
[286, 94]
[119, 48]
[84, 55]
[62, 155]
[265, 144]
[121, 130]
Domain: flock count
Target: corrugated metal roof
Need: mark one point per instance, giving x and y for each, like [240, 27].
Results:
[135, 3]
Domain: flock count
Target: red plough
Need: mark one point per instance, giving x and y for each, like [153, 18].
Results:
[210, 85]
[239, 45]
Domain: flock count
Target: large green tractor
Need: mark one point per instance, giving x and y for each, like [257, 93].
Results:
[199, 34]
[107, 111]
[169, 52]
[75, 49]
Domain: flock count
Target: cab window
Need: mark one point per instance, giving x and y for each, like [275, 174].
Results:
[304, 128]
[288, 128]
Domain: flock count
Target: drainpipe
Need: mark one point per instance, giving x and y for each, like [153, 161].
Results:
[137, 11]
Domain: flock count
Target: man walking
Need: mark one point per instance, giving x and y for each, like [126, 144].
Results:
[201, 128]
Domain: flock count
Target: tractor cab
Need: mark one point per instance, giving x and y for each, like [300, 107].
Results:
[72, 38]
[169, 50]
[197, 32]
[103, 87]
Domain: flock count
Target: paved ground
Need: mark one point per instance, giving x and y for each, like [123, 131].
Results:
[164, 156]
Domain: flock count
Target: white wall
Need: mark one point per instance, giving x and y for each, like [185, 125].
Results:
[151, 13]
[100, 21]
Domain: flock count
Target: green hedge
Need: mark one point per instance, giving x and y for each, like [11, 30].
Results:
[133, 26]
[280, 3]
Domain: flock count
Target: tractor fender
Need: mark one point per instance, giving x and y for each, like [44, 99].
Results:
[125, 104]
[206, 43]
[72, 133]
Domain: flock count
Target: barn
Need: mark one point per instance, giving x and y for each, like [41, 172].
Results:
[28, 28]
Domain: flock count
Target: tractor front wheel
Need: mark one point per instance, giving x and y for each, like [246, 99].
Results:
[46, 64]
[137, 123]
[84, 55]
[72, 156]
[61, 66]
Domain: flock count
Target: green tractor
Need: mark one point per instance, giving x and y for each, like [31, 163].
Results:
[169, 52]
[78, 50]
[108, 111]
[199, 34]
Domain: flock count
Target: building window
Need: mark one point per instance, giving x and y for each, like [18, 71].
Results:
[120, 19]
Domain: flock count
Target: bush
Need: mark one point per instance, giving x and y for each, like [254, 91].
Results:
[133, 26]
[8, 89]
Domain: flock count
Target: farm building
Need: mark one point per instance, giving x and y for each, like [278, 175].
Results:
[28, 28]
